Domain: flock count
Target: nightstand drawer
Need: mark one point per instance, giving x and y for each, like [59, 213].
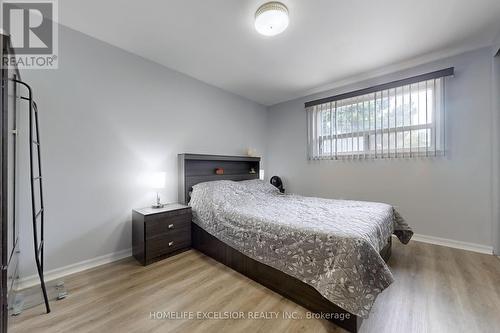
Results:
[171, 214]
[168, 243]
[160, 227]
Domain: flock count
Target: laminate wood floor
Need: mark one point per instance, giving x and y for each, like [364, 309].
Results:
[437, 289]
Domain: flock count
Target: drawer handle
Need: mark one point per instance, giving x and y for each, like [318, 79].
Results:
[170, 243]
[170, 226]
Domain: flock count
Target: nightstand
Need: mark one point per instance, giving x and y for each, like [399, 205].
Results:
[158, 233]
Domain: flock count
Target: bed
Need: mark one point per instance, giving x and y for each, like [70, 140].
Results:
[326, 255]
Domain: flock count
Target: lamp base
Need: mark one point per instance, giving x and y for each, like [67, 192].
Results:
[158, 206]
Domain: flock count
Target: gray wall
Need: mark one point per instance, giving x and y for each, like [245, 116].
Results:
[446, 197]
[108, 116]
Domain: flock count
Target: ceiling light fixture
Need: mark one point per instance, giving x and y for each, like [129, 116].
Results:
[271, 18]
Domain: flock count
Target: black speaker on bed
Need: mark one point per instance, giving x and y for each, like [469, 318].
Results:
[277, 182]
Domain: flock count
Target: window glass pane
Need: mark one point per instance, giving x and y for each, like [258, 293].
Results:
[399, 122]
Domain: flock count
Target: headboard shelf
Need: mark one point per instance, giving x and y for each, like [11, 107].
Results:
[204, 157]
[199, 168]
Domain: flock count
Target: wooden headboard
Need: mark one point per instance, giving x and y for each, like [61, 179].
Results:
[198, 168]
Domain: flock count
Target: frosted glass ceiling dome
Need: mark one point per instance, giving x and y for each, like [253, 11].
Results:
[271, 18]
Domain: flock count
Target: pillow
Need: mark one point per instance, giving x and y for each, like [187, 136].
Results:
[257, 185]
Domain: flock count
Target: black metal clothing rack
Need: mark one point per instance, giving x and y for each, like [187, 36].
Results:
[38, 216]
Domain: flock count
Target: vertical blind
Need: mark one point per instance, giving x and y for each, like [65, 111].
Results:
[399, 121]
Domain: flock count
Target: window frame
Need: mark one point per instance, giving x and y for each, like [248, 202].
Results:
[382, 93]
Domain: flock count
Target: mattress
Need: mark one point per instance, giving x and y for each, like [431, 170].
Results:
[332, 245]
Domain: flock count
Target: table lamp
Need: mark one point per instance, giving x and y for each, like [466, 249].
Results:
[158, 182]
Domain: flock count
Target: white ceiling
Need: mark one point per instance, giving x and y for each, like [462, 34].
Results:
[326, 41]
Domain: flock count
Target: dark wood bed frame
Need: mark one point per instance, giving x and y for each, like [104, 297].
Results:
[194, 169]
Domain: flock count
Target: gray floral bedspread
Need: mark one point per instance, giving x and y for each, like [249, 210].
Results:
[332, 245]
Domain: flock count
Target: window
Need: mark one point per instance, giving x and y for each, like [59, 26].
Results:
[399, 119]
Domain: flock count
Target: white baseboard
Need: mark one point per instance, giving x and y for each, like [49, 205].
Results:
[453, 243]
[58, 273]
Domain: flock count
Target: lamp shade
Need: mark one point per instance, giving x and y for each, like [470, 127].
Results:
[157, 180]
